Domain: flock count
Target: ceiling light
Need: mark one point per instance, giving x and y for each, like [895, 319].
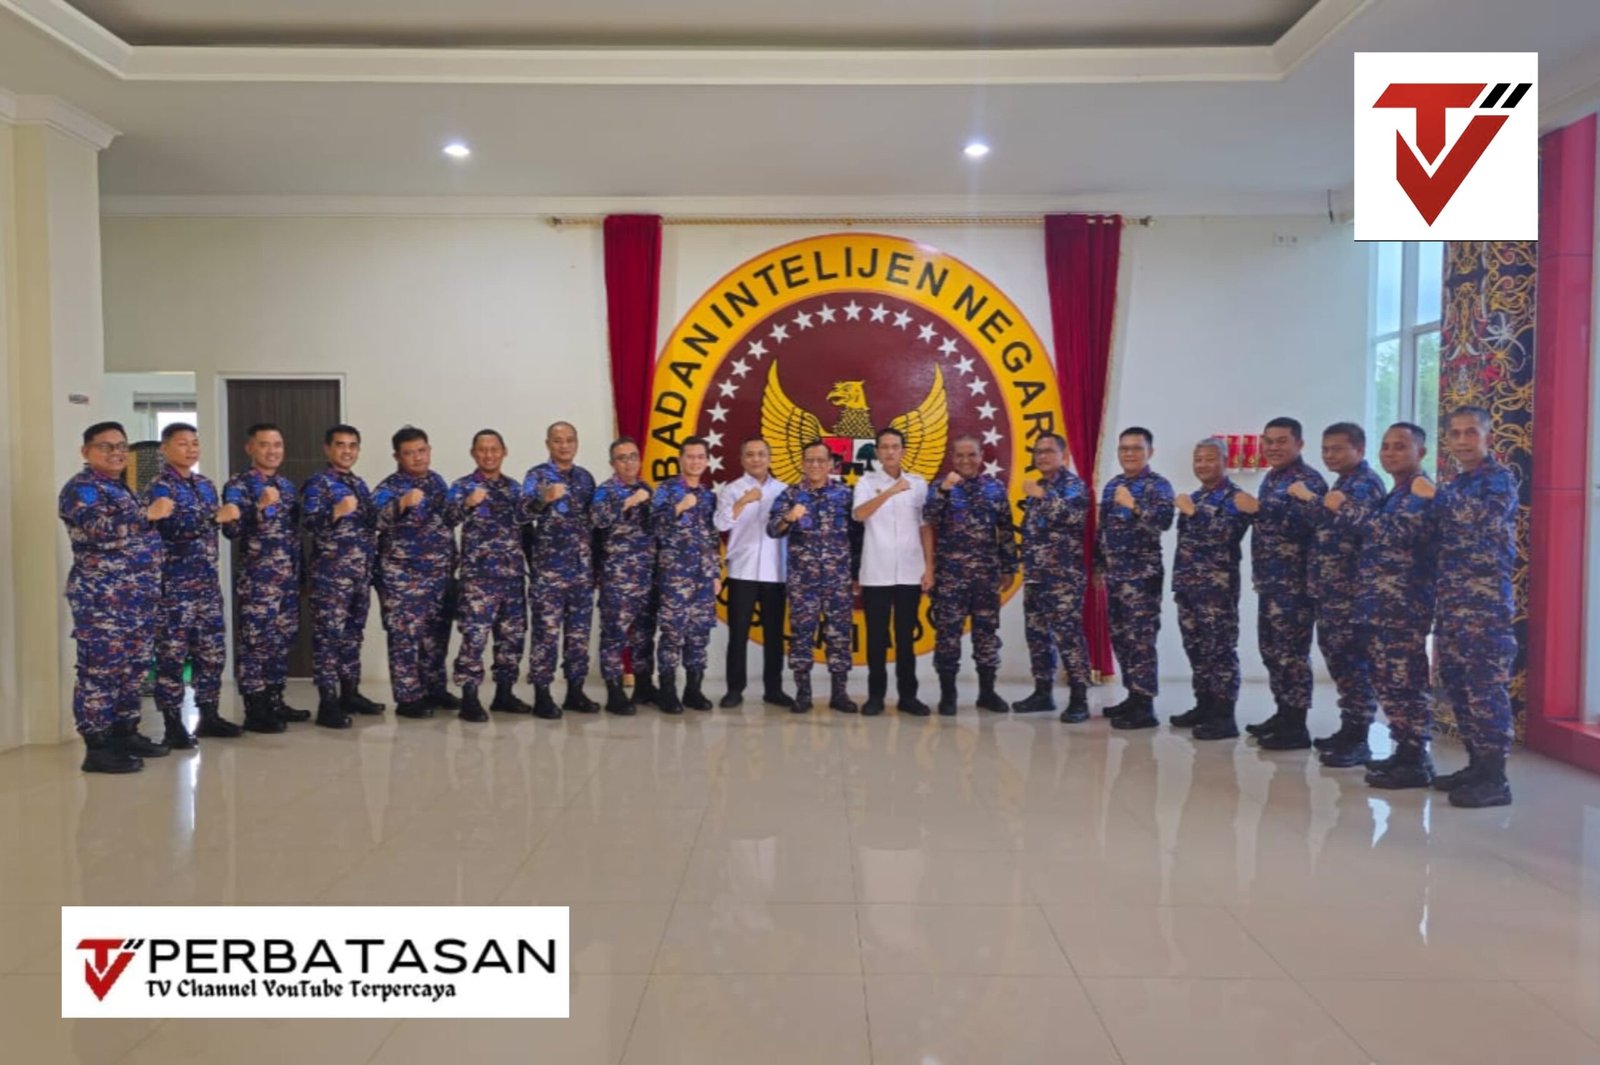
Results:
[458, 150]
[975, 150]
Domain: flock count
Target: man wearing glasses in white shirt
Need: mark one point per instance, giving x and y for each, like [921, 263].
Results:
[757, 570]
[896, 568]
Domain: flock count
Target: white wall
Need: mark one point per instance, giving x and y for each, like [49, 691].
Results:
[121, 390]
[457, 323]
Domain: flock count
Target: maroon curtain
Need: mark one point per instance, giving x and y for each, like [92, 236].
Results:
[633, 298]
[1081, 253]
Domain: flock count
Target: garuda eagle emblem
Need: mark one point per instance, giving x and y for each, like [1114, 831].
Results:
[788, 428]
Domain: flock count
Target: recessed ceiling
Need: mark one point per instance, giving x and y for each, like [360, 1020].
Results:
[837, 23]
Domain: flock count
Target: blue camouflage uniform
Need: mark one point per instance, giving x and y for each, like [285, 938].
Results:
[1053, 577]
[1129, 554]
[1334, 578]
[1280, 550]
[416, 559]
[190, 628]
[627, 568]
[1399, 562]
[493, 594]
[821, 565]
[266, 581]
[114, 590]
[561, 585]
[687, 567]
[1474, 519]
[341, 573]
[975, 553]
[1205, 584]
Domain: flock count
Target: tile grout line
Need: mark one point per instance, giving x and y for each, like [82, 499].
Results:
[1093, 1006]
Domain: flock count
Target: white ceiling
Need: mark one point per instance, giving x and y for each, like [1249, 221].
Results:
[1262, 138]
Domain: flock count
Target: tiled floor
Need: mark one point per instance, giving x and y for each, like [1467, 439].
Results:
[749, 886]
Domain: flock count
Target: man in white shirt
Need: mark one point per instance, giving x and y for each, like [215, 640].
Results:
[757, 570]
[896, 568]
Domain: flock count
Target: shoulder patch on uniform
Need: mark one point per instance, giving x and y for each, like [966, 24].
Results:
[160, 491]
[87, 494]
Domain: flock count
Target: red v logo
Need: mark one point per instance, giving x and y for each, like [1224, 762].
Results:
[1430, 194]
[103, 971]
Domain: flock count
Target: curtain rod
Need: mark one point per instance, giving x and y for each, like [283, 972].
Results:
[563, 221]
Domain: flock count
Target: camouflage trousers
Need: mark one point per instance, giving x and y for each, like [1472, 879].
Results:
[1135, 614]
[419, 636]
[1053, 621]
[114, 650]
[1400, 676]
[340, 600]
[688, 612]
[560, 612]
[491, 607]
[269, 621]
[1209, 624]
[1284, 624]
[1346, 648]
[190, 629]
[627, 623]
[954, 599]
[1475, 671]
[819, 601]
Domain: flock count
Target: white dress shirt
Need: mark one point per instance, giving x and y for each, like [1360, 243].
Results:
[752, 554]
[891, 552]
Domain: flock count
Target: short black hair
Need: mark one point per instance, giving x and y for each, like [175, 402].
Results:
[691, 442]
[1418, 433]
[814, 442]
[890, 430]
[175, 428]
[1139, 430]
[1350, 431]
[341, 430]
[1060, 441]
[262, 427]
[405, 434]
[611, 452]
[755, 438]
[1484, 418]
[1291, 424]
[103, 427]
[483, 433]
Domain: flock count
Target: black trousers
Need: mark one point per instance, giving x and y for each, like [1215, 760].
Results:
[904, 601]
[742, 599]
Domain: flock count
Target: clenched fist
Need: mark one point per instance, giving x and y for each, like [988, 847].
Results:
[640, 495]
[226, 513]
[477, 497]
[796, 512]
[1246, 503]
[1184, 503]
[900, 485]
[1333, 500]
[1033, 489]
[269, 495]
[552, 491]
[159, 508]
[1301, 492]
[345, 507]
[751, 495]
[687, 502]
[411, 499]
[951, 479]
[1122, 497]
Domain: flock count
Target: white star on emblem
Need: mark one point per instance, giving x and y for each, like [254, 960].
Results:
[728, 388]
[992, 469]
[978, 386]
[780, 333]
[714, 439]
[718, 413]
[948, 347]
[740, 367]
[901, 319]
[714, 463]
[991, 437]
[803, 320]
[964, 364]
[826, 313]
[757, 349]
[986, 411]
[879, 312]
[925, 332]
[852, 310]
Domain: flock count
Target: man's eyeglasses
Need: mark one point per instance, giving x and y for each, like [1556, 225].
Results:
[110, 449]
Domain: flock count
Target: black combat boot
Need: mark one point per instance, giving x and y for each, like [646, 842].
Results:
[1346, 734]
[1271, 724]
[1077, 705]
[1290, 733]
[1191, 718]
[644, 690]
[1409, 767]
[577, 700]
[471, 709]
[1488, 787]
[1219, 724]
[1347, 748]
[1118, 708]
[332, 709]
[213, 724]
[283, 709]
[126, 737]
[988, 698]
[617, 701]
[506, 701]
[414, 709]
[1452, 781]
[693, 698]
[442, 700]
[1042, 700]
[176, 737]
[1139, 714]
[948, 699]
[355, 702]
[841, 700]
[103, 755]
[730, 700]
[544, 706]
[802, 694]
[259, 716]
[667, 693]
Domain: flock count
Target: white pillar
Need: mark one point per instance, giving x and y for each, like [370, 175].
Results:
[52, 350]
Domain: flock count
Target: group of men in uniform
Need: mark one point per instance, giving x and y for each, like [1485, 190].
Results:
[1357, 564]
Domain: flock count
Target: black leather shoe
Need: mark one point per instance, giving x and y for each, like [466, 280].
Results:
[1488, 787]
[126, 737]
[1452, 781]
[1286, 737]
[1041, 701]
[259, 714]
[1409, 767]
[731, 700]
[1219, 724]
[872, 708]
[1192, 717]
[214, 725]
[667, 700]
[543, 705]
[1271, 724]
[506, 701]
[840, 697]
[617, 701]
[101, 755]
[988, 698]
[801, 704]
[644, 690]
[292, 714]
[948, 698]
[331, 712]
[356, 703]
[413, 708]
[1139, 714]
[176, 737]
[910, 704]
[577, 700]
[693, 697]
[778, 698]
[471, 709]
[443, 700]
[1345, 755]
